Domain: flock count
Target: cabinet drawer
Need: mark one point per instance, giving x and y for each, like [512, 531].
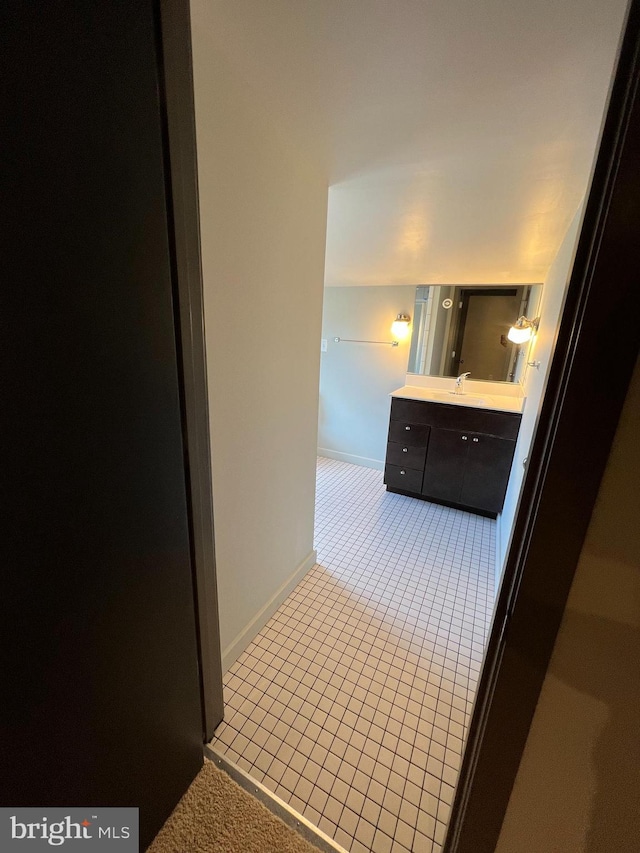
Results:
[415, 435]
[446, 416]
[413, 411]
[399, 477]
[500, 424]
[406, 455]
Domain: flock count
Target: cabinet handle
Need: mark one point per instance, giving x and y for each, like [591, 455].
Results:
[405, 449]
[407, 427]
[464, 438]
[476, 439]
[402, 471]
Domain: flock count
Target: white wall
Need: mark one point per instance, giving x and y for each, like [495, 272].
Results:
[578, 785]
[263, 217]
[356, 379]
[534, 384]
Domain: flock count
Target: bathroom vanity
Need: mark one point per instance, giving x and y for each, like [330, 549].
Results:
[452, 450]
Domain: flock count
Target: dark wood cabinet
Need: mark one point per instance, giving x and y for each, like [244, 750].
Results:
[399, 453]
[444, 470]
[451, 454]
[487, 472]
[404, 479]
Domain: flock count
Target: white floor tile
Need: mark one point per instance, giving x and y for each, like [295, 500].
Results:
[352, 703]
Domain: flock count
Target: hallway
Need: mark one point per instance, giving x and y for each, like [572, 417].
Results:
[352, 703]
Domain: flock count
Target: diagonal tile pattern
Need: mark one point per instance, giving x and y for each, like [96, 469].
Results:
[352, 703]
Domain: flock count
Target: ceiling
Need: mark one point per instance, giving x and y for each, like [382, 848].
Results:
[457, 136]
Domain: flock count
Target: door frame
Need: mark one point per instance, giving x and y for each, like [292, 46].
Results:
[178, 109]
[465, 294]
[598, 319]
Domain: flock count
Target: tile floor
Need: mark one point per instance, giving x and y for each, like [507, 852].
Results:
[352, 703]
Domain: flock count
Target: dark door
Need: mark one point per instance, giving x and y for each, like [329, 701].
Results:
[487, 471]
[99, 672]
[559, 493]
[445, 465]
[482, 347]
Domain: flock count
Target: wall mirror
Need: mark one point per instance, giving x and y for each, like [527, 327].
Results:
[463, 328]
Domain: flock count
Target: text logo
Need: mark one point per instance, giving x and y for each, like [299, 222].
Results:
[37, 829]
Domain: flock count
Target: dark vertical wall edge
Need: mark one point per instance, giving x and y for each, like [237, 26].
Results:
[567, 461]
[181, 159]
[101, 701]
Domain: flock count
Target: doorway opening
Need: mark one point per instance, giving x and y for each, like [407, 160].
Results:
[480, 340]
[278, 688]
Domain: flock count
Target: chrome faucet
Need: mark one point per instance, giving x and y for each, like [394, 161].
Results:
[459, 389]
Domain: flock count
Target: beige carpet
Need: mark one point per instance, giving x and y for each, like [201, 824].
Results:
[217, 816]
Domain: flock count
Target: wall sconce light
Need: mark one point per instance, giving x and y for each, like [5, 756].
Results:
[523, 330]
[400, 326]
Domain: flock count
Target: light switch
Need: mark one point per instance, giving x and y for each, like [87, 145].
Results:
[323, 345]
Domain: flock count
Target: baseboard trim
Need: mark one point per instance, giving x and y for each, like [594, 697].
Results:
[240, 642]
[378, 464]
[276, 806]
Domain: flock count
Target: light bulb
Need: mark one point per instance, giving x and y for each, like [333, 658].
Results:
[519, 335]
[522, 331]
[400, 326]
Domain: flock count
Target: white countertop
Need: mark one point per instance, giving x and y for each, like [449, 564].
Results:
[496, 402]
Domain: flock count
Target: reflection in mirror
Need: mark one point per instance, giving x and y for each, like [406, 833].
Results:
[463, 328]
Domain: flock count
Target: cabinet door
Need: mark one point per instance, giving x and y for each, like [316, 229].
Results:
[445, 465]
[487, 472]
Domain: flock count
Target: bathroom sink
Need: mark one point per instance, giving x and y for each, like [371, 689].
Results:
[461, 399]
[469, 399]
[431, 394]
